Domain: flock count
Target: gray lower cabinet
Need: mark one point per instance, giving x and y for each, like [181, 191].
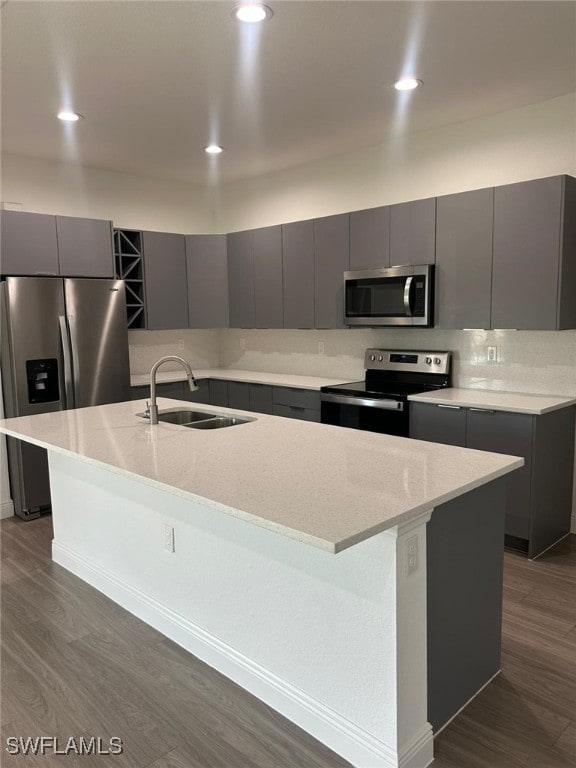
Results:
[331, 260]
[207, 271]
[268, 293]
[464, 228]
[173, 389]
[241, 279]
[85, 247]
[534, 269]
[29, 244]
[201, 395]
[294, 403]
[298, 274]
[239, 395]
[539, 494]
[413, 232]
[165, 280]
[260, 399]
[218, 392]
[370, 238]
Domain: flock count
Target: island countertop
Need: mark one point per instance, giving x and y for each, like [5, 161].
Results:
[327, 486]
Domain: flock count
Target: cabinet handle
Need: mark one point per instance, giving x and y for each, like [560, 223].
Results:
[451, 407]
[482, 410]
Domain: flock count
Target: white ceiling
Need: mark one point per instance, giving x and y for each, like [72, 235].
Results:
[157, 80]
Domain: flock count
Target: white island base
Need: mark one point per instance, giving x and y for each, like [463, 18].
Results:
[336, 643]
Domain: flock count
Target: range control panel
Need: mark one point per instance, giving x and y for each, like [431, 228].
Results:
[411, 360]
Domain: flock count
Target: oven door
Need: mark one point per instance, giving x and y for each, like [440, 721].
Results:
[389, 417]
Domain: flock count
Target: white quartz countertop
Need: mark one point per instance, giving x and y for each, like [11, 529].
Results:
[514, 402]
[232, 374]
[326, 486]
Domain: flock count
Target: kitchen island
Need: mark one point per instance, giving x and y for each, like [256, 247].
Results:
[293, 557]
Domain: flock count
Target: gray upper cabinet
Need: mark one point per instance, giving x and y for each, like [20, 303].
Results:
[29, 244]
[370, 238]
[207, 269]
[464, 225]
[298, 274]
[331, 260]
[241, 279]
[268, 295]
[413, 232]
[534, 270]
[85, 247]
[165, 280]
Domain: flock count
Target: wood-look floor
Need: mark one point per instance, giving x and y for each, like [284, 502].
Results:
[74, 663]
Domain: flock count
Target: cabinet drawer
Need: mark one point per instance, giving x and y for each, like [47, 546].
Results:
[295, 412]
[298, 398]
[438, 424]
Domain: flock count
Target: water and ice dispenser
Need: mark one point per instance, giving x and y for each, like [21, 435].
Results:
[42, 378]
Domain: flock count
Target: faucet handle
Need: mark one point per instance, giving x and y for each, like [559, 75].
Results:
[147, 411]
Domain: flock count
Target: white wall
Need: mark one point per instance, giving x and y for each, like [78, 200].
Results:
[521, 144]
[133, 202]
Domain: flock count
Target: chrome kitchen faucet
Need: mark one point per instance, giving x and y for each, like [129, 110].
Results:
[152, 409]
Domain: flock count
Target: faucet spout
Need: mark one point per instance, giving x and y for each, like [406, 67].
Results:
[153, 409]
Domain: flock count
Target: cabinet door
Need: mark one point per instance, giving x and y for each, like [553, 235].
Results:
[207, 271]
[85, 247]
[370, 238]
[331, 260]
[438, 423]
[239, 395]
[268, 299]
[165, 280]
[510, 433]
[201, 395]
[218, 392]
[464, 225]
[527, 224]
[413, 232]
[241, 279]
[261, 398]
[29, 244]
[298, 274]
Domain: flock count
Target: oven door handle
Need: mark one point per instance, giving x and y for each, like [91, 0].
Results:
[385, 405]
[407, 286]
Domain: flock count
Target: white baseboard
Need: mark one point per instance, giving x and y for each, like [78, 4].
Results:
[6, 509]
[353, 743]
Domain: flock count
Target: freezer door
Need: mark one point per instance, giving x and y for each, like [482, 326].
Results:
[96, 317]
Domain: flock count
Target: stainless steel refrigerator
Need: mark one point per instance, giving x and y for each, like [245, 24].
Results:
[64, 345]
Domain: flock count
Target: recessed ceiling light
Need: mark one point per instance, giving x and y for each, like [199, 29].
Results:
[407, 84]
[213, 149]
[69, 117]
[252, 13]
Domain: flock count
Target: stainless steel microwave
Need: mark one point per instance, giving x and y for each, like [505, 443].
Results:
[393, 296]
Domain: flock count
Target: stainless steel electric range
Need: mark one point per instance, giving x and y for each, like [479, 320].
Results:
[380, 402]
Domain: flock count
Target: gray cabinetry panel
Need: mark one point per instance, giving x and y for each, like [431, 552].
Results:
[165, 280]
[241, 279]
[295, 412]
[207, 271]
[331, 260]
[567, 302]
[464, 224]
[526, 257]
[261, 398]
[218, 392]
[509, 433]
[238, 395]
[298, 274]
[29, 244]
[173, 389]
[85, 247]
[201, 395]
[298, 398]
[268, 298]
[370, 238]
[438, 424]
[413, 232]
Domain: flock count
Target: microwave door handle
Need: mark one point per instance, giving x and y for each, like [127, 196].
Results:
[407, 286]
[67, 360]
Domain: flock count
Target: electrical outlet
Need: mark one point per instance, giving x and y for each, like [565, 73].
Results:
[321, 348]
[169, 538]
[492, 354]
[411, 555]
[181, 345]
[242, 344]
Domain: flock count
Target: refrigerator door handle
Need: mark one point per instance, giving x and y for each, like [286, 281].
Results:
[66, 355]
[75, 353]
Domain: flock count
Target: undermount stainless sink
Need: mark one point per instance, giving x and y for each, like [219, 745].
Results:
[196, 419]
[218, 422]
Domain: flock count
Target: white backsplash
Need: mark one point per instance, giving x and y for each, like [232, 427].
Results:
[200, 347]
[527, 361]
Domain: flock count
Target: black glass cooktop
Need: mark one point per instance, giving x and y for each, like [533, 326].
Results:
[378, 390]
